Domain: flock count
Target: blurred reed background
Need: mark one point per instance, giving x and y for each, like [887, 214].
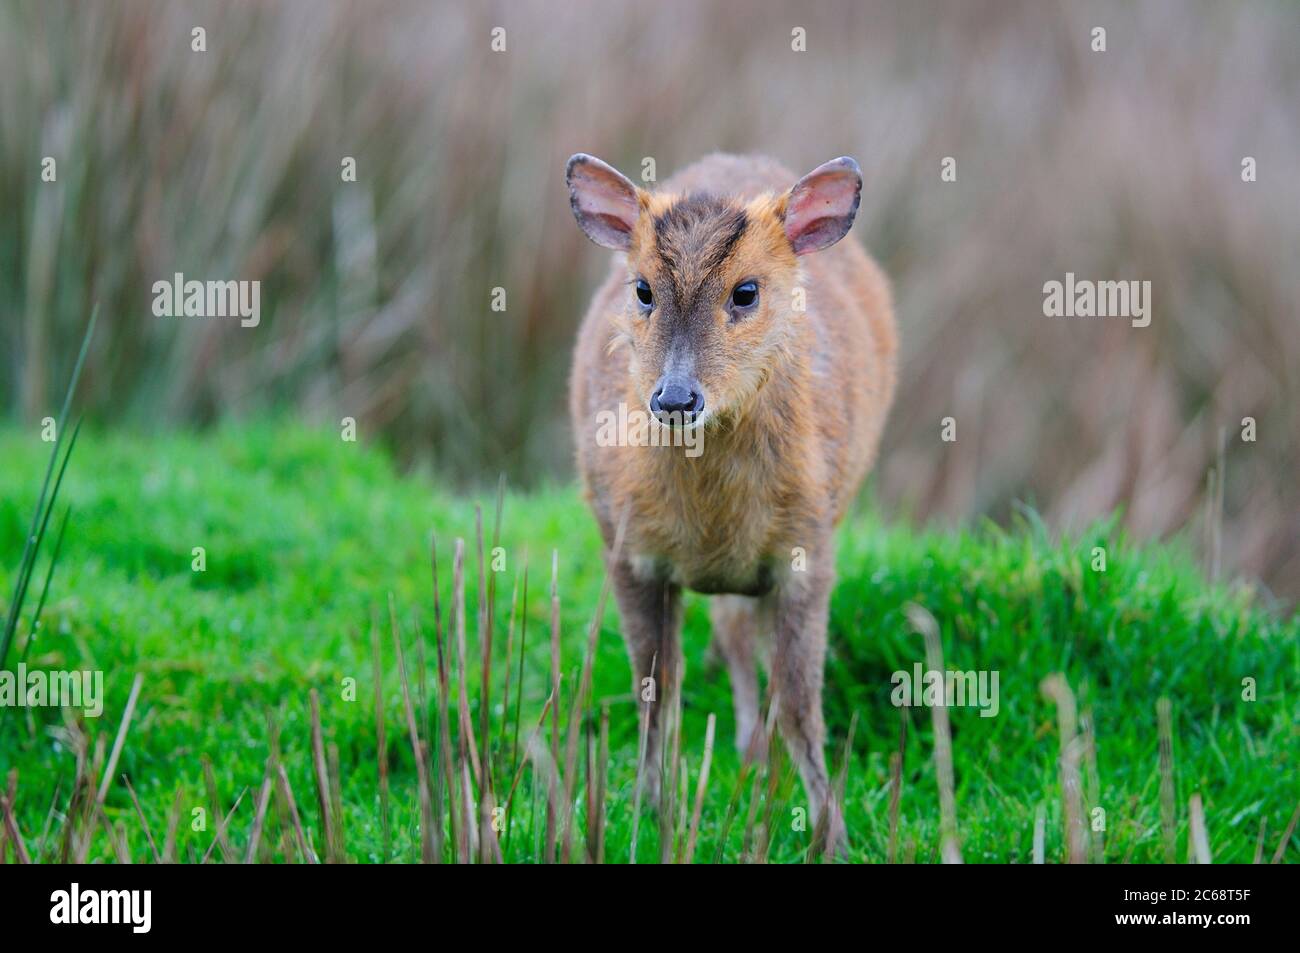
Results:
[376, 294]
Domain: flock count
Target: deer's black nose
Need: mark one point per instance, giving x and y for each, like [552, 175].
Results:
[678, 396]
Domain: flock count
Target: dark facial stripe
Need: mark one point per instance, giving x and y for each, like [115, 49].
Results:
[694, 237]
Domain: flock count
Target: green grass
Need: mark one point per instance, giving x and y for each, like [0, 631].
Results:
[305, 537]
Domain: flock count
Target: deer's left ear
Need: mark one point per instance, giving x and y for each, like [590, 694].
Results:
[604, 201]
[819, 210]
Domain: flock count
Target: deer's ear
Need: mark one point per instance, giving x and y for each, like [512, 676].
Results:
[604, 201]
[820, 208]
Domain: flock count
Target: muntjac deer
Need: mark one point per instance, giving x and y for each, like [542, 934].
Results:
[729, 317]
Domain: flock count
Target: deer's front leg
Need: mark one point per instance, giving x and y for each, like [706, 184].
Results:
[800, 607]
[651, 613]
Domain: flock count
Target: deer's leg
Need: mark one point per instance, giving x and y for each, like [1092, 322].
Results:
[651, 614]
[735, 622]
[800, 607]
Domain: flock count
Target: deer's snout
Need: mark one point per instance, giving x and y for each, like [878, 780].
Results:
[677, 400]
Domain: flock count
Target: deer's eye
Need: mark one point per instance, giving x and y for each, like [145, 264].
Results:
[745, 295]
[644, 295]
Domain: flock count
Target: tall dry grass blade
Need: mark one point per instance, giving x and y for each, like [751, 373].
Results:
[173, 822]
[483, 631]
[1168, 811]
[683, 809]
[12, 794]
[643, 738]
[1198, 835]
[747, 841]
[701, 786]
[551, 817]
[259, 817]
[1056, 689]
[519, 771]
[49, 820]
[509, 656]
[12, 832]
[895, 798]
[446, 758]
[584, 684]
[430, 839]
[1092, 787]
[667, 809]
[489, 848]
[468, 744]
[950, 848]
[515, 765]
[144, 824]
[1040, 834]
[1286, 835]
[774, 769]
[523, 645]
[299, 835]
[485, 708]
[214, 807]
[747, 764]
[602, 773]
[221, 827]
[336, 802]
[118, 841]
[589, 789]
[321, 775]
[468, 757]
[381, 744]
[837, 791]
[1259, 841]
[120, 740]
[539, 756]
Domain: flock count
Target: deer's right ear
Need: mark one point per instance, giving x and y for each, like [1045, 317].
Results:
[604, 201]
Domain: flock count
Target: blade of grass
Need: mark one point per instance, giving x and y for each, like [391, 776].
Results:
[41, 514]
[430, 842]
[700, 787]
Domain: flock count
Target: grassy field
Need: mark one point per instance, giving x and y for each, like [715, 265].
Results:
[306, 537]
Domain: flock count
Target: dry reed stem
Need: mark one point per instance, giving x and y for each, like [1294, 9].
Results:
[381, 745]
[13, 833]
[1286, 835]
[700, 787]
[430, 842]
[173, 820]
[1040, 834]
[144, 824]
[320, 773]
[1055, 688]
[259, 817]
[551, 816]
[446, 758]
[1168, 816]
[1198, 836]
[950, 847]
[584, 685]
[221, 827]
[300, 836]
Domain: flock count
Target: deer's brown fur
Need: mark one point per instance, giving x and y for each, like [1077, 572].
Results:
[794, 407]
